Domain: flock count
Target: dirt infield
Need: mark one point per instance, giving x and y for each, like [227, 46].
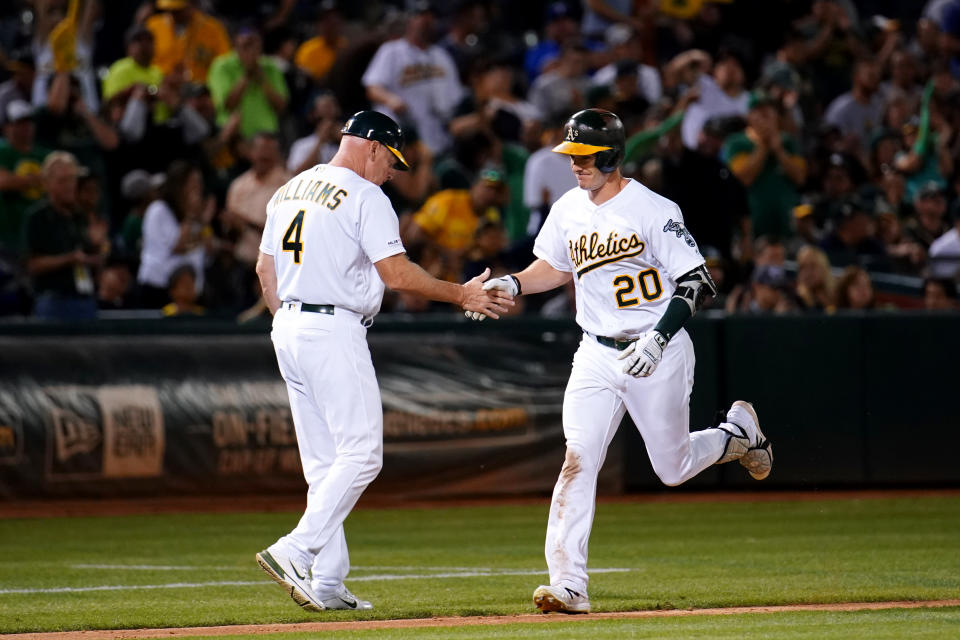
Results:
[294, 503]
[310, 627]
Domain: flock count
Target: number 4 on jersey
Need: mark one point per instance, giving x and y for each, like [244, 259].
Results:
[295, 245]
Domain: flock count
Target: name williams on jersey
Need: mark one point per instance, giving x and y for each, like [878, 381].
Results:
[313, 191]
[589, 252]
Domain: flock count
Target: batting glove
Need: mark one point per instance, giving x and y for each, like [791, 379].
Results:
[644, 354]
[509, 284]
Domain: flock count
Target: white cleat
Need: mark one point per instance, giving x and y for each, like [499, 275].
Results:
[292, 576]
[560, 599]
[758, 459]
[344, 599]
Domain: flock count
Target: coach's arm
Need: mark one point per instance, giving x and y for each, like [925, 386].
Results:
[267, 272]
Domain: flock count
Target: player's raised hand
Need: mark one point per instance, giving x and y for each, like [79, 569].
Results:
[481, 302]
[644, 354]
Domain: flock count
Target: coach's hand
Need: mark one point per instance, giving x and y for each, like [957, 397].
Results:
[644, 354]
[504, 288]
[481, 301]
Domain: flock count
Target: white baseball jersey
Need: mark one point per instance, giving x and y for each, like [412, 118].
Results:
[625, 256]
[426, 79]
[325, 229]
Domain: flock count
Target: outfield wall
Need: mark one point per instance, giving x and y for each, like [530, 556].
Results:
[134, 408]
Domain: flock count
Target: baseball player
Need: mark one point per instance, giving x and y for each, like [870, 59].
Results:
[330, 244]
[638, 277]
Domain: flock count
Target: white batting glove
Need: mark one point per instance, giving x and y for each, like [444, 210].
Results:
[508, 284]
[644, 354]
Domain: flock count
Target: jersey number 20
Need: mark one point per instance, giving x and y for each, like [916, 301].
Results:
[293, 231]
[650, 287]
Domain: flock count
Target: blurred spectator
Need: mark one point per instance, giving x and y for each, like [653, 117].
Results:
[113, 285]
[767, 161]
[447, 223]
[767, 293]
[815, 289]
[317, 55]
[408, 189]
[412, 79]
[173, 234]
[929, 221]
[249, 193]
[464, 41]
[713, 227]
[945, 252]
[600, 15]
[939, 294]
[832, 45]
[491, 91]
[906, 255]
[321, 145]
[562, 90]
[20, 85]
[926, 155]
[855, 290]
[21, 182]
[721, 94]
[626, 45]
[488, 250]
[58, 259]
[136, 68]
[560, 28]
[851, 240]
[247, 83]
[63, 44]
[903, 79]
[183, 293]
[138, 189]
[547, 176]
[859, 111]
[186, 40]
[472, 149]
[96, 226]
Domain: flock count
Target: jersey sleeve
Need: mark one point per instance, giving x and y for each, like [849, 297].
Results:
[671, 243]
[379, 227]
[549, 244]
[266, 240]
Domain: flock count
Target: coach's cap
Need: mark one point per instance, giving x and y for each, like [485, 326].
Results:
[380, 127]
[18, 110]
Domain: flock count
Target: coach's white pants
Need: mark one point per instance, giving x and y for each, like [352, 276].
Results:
[597, 395]
[335, 403]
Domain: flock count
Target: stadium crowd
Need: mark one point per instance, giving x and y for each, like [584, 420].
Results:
[811, 144]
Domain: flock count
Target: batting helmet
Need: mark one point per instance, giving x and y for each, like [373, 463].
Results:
[594, 131]
[374, 125]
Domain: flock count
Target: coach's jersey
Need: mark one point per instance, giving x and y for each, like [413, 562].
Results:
[625, 256]
[325, 229]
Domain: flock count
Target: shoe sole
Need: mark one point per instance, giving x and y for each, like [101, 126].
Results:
[758, 461]
[546, 602]
[268, 564]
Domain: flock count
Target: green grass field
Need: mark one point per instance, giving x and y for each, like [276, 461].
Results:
[187, 570]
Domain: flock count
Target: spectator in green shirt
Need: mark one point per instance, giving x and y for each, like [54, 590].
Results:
[136, 68]
[249, 84]
[20, 167]
[767, 161]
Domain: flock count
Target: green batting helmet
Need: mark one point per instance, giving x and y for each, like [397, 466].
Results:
[594, 131]
[374, 125]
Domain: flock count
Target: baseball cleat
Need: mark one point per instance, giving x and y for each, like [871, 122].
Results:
[293, 577]
[560, 599]
[758, 459]
[344, 599]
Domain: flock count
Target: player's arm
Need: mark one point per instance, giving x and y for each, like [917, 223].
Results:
[539, 276]
[267, 272]
[644, 354]
[398, 273]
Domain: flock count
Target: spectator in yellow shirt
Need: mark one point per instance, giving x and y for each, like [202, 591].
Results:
[186, 39]
[445, 227]
[136, 68]
[317, 55]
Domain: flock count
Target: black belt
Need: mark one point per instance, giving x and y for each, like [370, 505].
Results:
[314, 308]
[613, 343]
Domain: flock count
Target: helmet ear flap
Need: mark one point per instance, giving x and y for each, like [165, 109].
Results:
[607, 161]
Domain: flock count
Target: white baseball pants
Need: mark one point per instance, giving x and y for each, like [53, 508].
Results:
[338, 416]
[596, 397]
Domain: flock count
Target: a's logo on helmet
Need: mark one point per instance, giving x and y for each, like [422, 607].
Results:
[572, 133]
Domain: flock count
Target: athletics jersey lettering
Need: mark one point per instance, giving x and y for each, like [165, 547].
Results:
[306, 190]
[588, 254]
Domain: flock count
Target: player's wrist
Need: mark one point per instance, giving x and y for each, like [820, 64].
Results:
[516, 283]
